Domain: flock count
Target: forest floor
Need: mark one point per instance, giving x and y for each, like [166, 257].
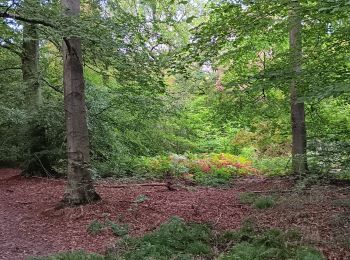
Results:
[31, 225]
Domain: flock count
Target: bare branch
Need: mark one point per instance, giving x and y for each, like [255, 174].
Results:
[27, 20]
[55, 88]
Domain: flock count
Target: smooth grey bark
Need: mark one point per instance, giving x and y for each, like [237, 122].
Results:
[80, 189]
[299, 159]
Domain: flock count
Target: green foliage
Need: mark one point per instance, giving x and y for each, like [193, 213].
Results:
[259, 202]
[215, 177]
[178, 240]
[141, 198]
[207, 169]
[173, 240]
[185, 77]
[271, 244]
[95, 227]
[264, 202]
[118, 229]
[273, 166]
[308, 254]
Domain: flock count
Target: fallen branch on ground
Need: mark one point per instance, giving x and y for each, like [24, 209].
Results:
[270, 191]
[169, 185]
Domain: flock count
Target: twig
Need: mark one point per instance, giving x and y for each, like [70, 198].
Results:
[46, 171]
[55, 88]
[271, 191]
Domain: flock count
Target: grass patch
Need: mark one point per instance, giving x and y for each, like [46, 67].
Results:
[118, 230]
[264, 202]
[259, 202]
[95, 227]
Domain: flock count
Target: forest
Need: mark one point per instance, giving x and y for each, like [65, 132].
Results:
[175, 129]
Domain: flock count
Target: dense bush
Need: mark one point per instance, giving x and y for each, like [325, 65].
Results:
[203, 168]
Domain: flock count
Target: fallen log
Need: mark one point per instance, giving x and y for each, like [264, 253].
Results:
[169, 185]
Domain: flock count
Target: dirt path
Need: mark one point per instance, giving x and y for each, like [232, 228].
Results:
[30, 226]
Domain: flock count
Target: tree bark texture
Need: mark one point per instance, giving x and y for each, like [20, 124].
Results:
[299, 160]
[80, 189]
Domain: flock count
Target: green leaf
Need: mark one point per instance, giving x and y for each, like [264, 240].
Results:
[190, 19]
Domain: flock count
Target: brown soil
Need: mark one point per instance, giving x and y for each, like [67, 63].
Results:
[30, 225]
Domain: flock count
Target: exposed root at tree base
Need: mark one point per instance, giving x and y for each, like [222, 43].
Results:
[88, 198]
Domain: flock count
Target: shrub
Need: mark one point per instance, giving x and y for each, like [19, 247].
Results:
[273, 166]
[173, 240]
[264, 202]
[269, 245]
[208, 169]
[119, 230]
[205, 169]
[95, 227]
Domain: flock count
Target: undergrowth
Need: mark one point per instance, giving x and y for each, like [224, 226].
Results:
[95, 227]
[205, 169]
[268, 245]
[118, 229]
[259, 202]
[173, 240]
[179, 240]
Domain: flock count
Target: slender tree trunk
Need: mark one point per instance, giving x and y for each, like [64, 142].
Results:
[30, 66]
[80, 189]
[299, 160]
[36, 162]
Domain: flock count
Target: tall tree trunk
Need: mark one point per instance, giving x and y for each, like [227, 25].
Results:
[30, 66]
[37, 162]
[299, 160]
[80, 189]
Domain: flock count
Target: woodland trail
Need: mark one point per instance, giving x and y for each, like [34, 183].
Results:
[31, 226]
